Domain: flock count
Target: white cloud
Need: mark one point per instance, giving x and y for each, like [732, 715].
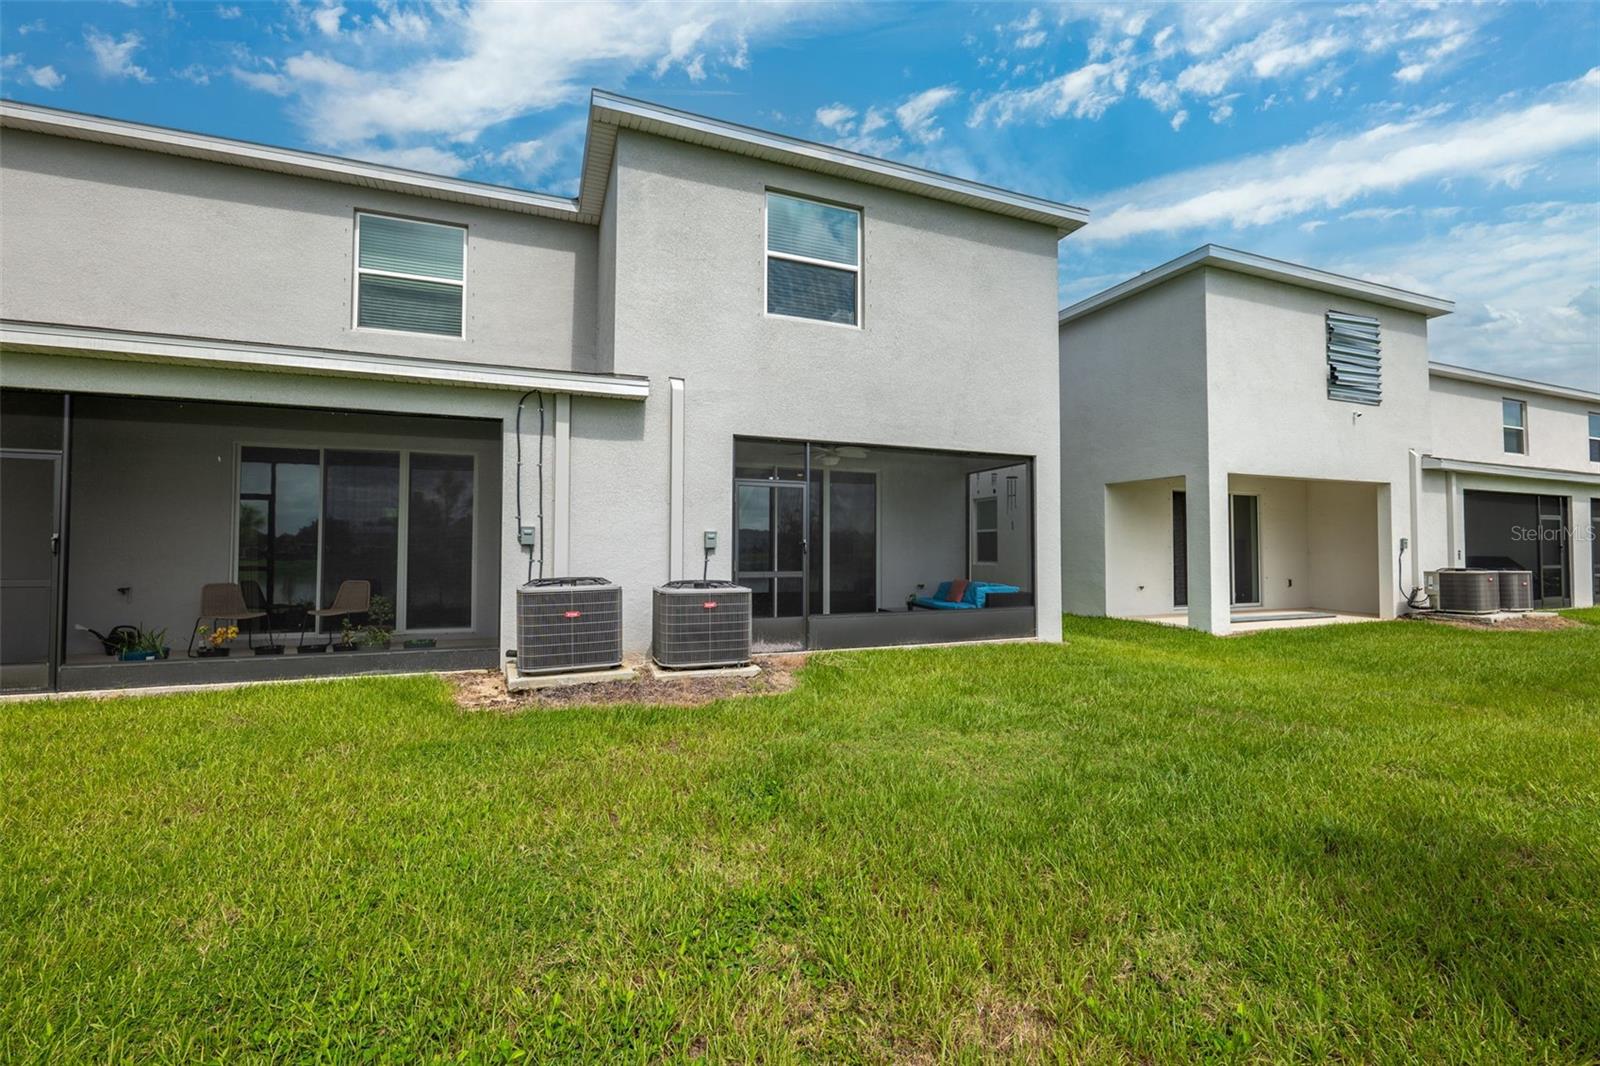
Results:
[46, 77]
[1529, 309]
[535, 160]
[229, 11]
[1178, 120]
[113, 57]
[326, 19]
[36, 26]
[1085, 92]
[263, 80]
[836, 117]
[917, 116]
[498, 61]
[1313, 225]
[1378, 214]
[1222, 110]
[1330, 171]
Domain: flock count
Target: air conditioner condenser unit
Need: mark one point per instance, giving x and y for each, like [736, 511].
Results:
[700, 624]
[1516, 590]
[568, 624]
[1466, 591]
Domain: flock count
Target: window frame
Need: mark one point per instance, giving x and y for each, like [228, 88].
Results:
[1594, 442]
[767, 254]
[403, 526]
[357, 270]
[1522, 406]
[978, 530]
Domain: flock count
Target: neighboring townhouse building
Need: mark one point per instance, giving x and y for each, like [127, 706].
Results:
[223, 362]
[1249, 440]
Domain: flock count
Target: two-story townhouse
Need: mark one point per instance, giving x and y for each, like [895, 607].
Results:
[732, 354]
[1247, 440]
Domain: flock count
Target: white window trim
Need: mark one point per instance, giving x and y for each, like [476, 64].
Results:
[403, 519]
[768, 253]
[977, 529]
[358, 270]
[1522, 405]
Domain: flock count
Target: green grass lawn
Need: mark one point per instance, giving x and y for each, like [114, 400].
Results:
[1363, 842]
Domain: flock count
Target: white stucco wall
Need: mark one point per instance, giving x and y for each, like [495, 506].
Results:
[1133, 408]
[1137, 544]
[956, 351]
[97, 235]
[1466, 424]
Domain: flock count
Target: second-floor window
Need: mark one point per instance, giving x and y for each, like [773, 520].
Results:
[410, 276]
[1514, 426]
[1594, 441]
[813, 260]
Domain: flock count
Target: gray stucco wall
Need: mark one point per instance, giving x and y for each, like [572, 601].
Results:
[111, 237]
[956, 351]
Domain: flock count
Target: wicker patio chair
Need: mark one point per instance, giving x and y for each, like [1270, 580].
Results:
[224, 602]
[351, 597]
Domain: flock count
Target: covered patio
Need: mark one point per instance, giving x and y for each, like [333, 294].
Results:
[860, 545]
[1285, 552]
[161, 503]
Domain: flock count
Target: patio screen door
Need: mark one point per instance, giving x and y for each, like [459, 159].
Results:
[29, 513]
[770, 556]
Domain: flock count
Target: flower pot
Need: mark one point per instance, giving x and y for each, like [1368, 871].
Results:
[212, 653]
[311, 649]
[421, 642]
[143, 656]
[343, 647]
[270, 649]
[382, 645]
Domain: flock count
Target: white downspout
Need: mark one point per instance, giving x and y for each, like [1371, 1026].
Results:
[561, 555]
[675, 475]
[1416, 519]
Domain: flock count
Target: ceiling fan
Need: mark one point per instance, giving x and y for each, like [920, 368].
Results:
[830, 454]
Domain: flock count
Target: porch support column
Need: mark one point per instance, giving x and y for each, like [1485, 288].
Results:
[1388, 552]
[1583, 549]
[1209, 607]
[561, 520]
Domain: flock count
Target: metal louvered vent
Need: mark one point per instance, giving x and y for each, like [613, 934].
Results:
[700, 624]
[566, 624]
[1355, 367]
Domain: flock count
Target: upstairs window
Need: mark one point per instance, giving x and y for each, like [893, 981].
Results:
[1594, 446]
[409, 275]
[813, 260]
[1354, 359]
[1514, 426]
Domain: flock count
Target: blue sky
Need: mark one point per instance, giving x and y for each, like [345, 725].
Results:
[1453, 149]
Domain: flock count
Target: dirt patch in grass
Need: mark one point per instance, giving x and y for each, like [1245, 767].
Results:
[1521, 621]
[486, 689]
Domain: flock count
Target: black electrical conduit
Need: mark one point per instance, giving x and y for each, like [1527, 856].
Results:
[1411, 597]
[540, 470]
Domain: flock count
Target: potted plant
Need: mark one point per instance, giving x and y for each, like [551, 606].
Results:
[347, 637]
[144, 645]
[380, 618]
[420, 642]
[214, 641]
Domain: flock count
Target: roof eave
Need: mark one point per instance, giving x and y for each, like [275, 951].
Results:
[620, 112]
[1509, 383]
[1216, 256]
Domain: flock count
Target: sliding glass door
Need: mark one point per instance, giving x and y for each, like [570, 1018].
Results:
[311, 518]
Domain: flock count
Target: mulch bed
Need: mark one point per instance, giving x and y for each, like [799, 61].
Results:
[1521, 621]
[485, 690]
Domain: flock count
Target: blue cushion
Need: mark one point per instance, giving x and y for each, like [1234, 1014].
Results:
[978, 591]
[944, 605]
